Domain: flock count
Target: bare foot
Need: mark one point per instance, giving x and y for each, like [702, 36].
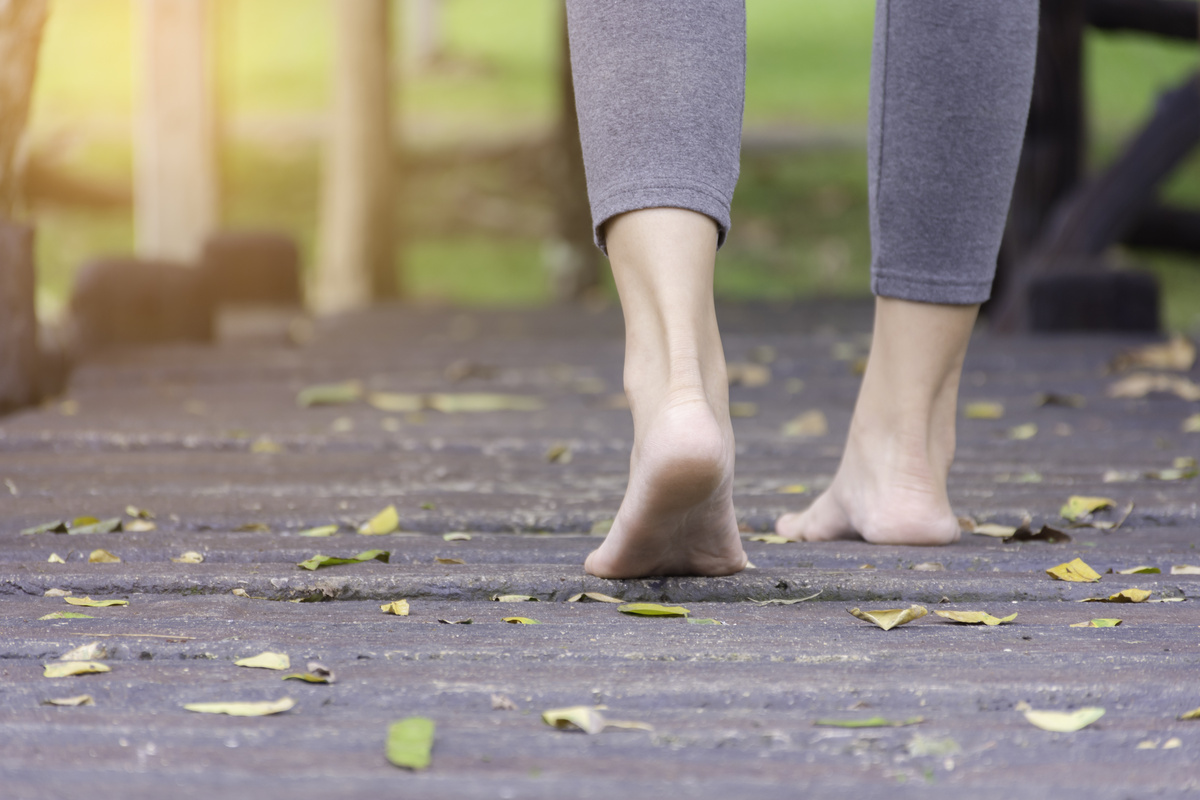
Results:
[677, 517]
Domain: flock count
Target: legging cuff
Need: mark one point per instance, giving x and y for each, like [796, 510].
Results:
[923, 290]
[661, 194]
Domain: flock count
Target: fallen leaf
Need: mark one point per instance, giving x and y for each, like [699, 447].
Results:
[264, 446]
[77, 700]
[1064, 721]
[975, 617]
[1045, 534]
[383, 523]
[870, 722]
[1140, 571]
[253, 527]
[994, 530]
[239, 592]
[502, 703]
[747, 374]
[1126, 596]
[307, 677]
[395, 402]
[922, 746]
[265, 660]
[704, 621]
[82, 521]
[1177, 354]
[520, 621]
[983, 410]
[772, 538]
[90, 603]
[58, 526]
[515, 598]
[55, 558]
[456, 537]
[440, 560]
[63, 669]
[583, 597]
[113, 525]
[1191, 424]
[810, 423]
[1140, 384]
[1075, 571]
[559, 453]
[102, 557]
[1022, 432]
[1100, 622]
[1185, 569]
[466, 621]
[790, 602]
[891, 617]
[57, 593]
[792, 488]
[329, 394]
[410, 742]
[929, 566]
[627, 725]
[319, 532]
[66, 615]
[239, 709]
[743, 410]
[140, 526]
[139, 513]
[93, 651]
[1079, 506]
[482, 402]
[584, 718]
[189, 557]
[318, 561]
[397, 607]
[653, 610]
[1193, 714]
[1172, 743]
[1057, 399]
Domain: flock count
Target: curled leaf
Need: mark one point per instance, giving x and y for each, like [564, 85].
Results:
[1064, 721]
[515, 598]
[653, 610]
[102, 557]
[265, 660]
[113, 525]
[596, 597]
[1193, 714]
[63, 669]
[1143, 570]
[1126, 596]
[456, 537]
[189, 557]
[329, 394]
[1080, 506]
[90, 603]
[410, 742]
[397, 607]
[1101, 622]
[93, 651]
[521, 621]
[1075, 571]
[385, 522]
[891, 617]
[319, 532]
[583, 718]
[77, 700]
[239, 709]
[975, 617]
[869, 722]
[466, 621]
[307, 677]
[318, 561]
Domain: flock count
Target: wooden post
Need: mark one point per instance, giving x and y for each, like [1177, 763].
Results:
[572, 258]
[356, 259]
[175, 169]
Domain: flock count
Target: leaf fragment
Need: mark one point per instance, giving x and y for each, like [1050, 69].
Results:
[385, 522]
[318, 561]
[66, 615]
[138, 513]
[1099, 622]
[791, 602]
[892, 617]
[329, 394]
[189, 557]
[456, 561]
[1074, 571]
[1185, 569]
[704, 621]
[653, 610]
[308, 677]
[102, 557]
[456, 536]
[583, 718]
[1139, 384]
[466, 621]
[1064, 721]
[994, 530]
[772, 538]
[559, 453]
[93, 651]
[63, 669]
[1078, 506]
[595, 597]
[975, 617]
[265, 660]
[869, 722]
[1193, 714]
[1023, 432]
[319, 532]
[514, 598]
[743, 410]
[58, 526]
[1140, 571]
[747, 374]
[482, 402]
[241, 709]
[77, 700]
[809, 424]
[55, 558]
[983, 410]
[1178, 354]
[397, 607]
[410, 743]
[90, 603]
[395, 402]
[1191, 424]
[792, 488]
[520, 621]
[1125, 596]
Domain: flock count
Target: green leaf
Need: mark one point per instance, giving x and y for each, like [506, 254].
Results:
[66, 615]
[383, 523]
[90, 603]
[319, 531]
[63, 669]
[1081, 506]
[58, 526]
[1064, 721]
[1140, 571]
[892, 617]
[870, 722]
[239, 709]
[410, 742]
[318, 561]
[704, 621]
[265, 660]
[329, 394]
[653, 610]
[521, 621]
[112, 525]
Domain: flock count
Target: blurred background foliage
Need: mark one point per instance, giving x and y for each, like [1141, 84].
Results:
[473, 228]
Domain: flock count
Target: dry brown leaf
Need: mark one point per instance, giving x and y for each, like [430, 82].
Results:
[1102, 622]
[810, 423]
[559, 453]
[1074, 571]
[892, 617]
[975, 617]
[449, 561]
[1177, 354]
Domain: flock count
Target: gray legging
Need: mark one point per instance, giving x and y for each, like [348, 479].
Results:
[659, 87]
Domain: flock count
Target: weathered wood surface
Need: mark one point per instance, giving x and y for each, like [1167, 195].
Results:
[173, 429]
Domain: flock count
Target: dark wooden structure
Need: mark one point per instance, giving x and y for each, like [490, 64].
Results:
[1062, 221]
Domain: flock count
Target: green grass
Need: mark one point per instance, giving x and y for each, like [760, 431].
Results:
[799, 221]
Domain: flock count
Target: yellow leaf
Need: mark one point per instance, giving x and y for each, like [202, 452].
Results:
[1140, 571]
[515, 598]
[747, 374]
[264, 446]
[395, 402]
[520, 621]
[55, 558]
[559, 453]
[1022, 432]
[810, 423]
[265, 660]
[892, 617]
[1185, 569]
[793, 488]
[481, 402]
[743, 410]
[140, 526]
[320, 531]
[456, 537]
[139, 513]
[1126, 596]
[102, 557]
[994, 530]
[1074, 571]
[239, 592]
[983, 410]
[772, 538]
[383, 523]
[975, 617]
[1193, 714]
[594, 596]
[1191, 424]
[189, 557]
[1079, 506]
[329, 394]
[397, 607]
[653, 610]
[90, 603]
[63, 669]
[1101, 622]
[77, 700]
[237, 709]
[93, 651]
[1064, 721]
[584, 718]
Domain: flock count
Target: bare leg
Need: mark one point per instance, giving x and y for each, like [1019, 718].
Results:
[890, 487]
[677, 515]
